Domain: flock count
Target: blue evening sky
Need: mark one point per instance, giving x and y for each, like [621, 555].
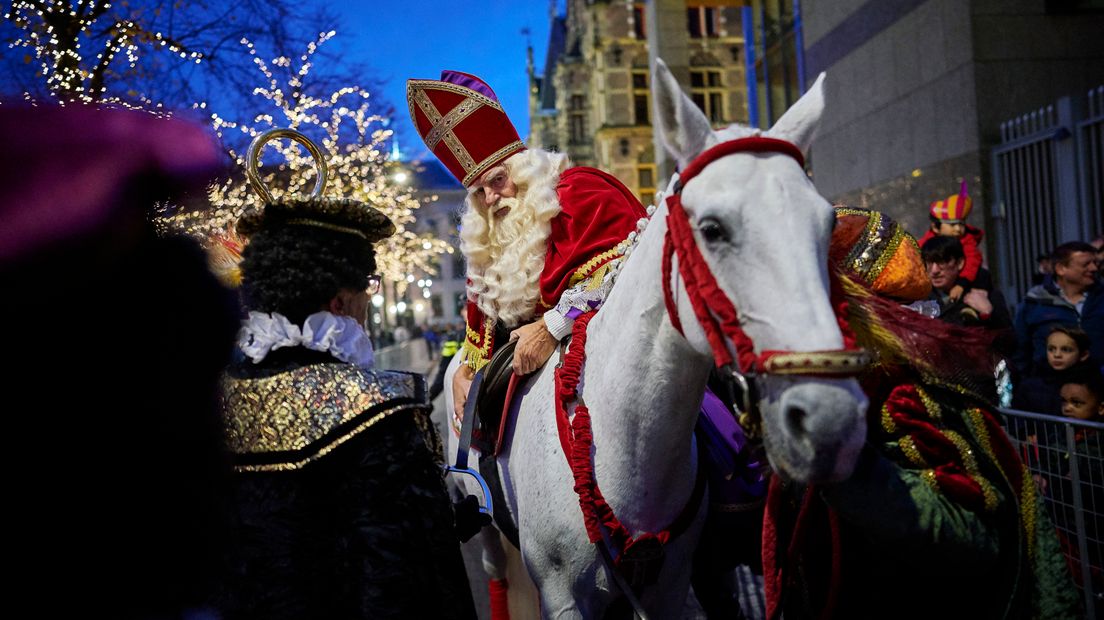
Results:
[419, 38]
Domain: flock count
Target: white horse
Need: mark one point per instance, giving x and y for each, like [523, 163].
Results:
[763, 230]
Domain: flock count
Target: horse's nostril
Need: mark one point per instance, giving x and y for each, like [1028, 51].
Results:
[795, 419]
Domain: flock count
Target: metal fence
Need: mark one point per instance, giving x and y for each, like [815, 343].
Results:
[1066, 458]
[1048, 181]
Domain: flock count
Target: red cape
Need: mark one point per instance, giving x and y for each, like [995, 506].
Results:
[597, 213]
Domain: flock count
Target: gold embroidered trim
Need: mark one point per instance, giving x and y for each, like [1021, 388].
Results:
[1027, 509]
[461, 153]
[886, 254]
[928, 476]
[295, 411]
[908, 446]
[977, 423]
[583, 272]
[887, 420]
[292, 466]
[934, 411]
[422, 85]
[969, 460]
[478, 357]
[328, 226]
[491, 159]
[449, 138]
[450, 120]
[1027, 482]
[427, 107]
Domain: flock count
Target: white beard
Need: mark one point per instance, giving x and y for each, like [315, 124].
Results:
[505, 268]
[506, 256]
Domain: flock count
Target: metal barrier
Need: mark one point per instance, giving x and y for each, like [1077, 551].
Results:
[412, 356]
[1048, 184]
[1066, 458]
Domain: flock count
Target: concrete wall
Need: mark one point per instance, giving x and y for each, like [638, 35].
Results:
[1026, 58]
[900, 122]
[916, 91]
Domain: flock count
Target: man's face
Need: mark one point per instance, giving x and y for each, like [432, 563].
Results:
[944, 274]
[951, 228]
[1079, 271]
[354, 304]
[494, 185]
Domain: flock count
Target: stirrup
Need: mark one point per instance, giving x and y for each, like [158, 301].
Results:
[489, 508]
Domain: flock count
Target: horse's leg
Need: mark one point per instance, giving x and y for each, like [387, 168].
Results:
[494, 564]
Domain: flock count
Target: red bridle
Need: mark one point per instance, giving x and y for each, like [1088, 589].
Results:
[713, 309]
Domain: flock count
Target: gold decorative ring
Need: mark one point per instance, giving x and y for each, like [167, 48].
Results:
[842, 363]
[252, 160]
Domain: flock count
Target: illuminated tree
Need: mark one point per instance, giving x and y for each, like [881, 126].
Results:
[355, 143]
[142, 53]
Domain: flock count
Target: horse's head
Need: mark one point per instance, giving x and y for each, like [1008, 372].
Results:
[756, 233]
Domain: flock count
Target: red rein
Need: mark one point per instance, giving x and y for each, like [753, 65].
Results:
[717, 316]
[713, 309]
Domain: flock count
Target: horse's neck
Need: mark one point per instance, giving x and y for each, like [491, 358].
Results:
[643, 384]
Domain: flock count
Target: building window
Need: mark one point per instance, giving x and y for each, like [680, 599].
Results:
[701, 21]
[707, 91]
[645, 182]
[641, 98]
[638, 21]
[577, 120]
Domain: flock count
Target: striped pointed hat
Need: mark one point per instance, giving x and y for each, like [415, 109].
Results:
[460, 119]
[954, 208]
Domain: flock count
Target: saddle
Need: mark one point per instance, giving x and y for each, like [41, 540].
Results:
[484, 419]
[493, 400]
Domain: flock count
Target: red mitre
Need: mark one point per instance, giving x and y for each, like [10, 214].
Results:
[460, 119]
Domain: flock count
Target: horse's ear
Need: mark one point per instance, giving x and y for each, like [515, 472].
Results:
[685, 131]
[798, 125]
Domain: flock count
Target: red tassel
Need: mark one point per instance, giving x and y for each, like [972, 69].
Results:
[500, 602]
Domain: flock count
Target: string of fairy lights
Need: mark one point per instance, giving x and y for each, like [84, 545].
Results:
[54, 32]
[81, 47]
[355, 143]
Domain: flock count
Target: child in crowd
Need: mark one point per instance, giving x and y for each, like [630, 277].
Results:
[1083, 399]
[1067, 347]
[948, 219]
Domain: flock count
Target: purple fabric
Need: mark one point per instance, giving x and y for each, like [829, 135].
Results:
[734, 478]
[64, 170]
[468, 81]
[574, 313]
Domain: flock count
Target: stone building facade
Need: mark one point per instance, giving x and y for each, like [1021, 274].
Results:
[593, 99]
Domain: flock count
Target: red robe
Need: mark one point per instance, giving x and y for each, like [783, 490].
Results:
[597, 213]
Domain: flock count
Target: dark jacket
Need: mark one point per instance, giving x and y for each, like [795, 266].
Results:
[341, 509]
[1039, 390]
[1042, 308]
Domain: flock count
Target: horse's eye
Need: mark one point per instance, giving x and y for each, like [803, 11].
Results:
[712, 230]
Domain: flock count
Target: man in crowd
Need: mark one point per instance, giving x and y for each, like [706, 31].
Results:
[539, 236]
[341, 509]
[1074, 298]
[944, 259]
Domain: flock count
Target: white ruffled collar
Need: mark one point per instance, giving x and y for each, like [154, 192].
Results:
[340, 336]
